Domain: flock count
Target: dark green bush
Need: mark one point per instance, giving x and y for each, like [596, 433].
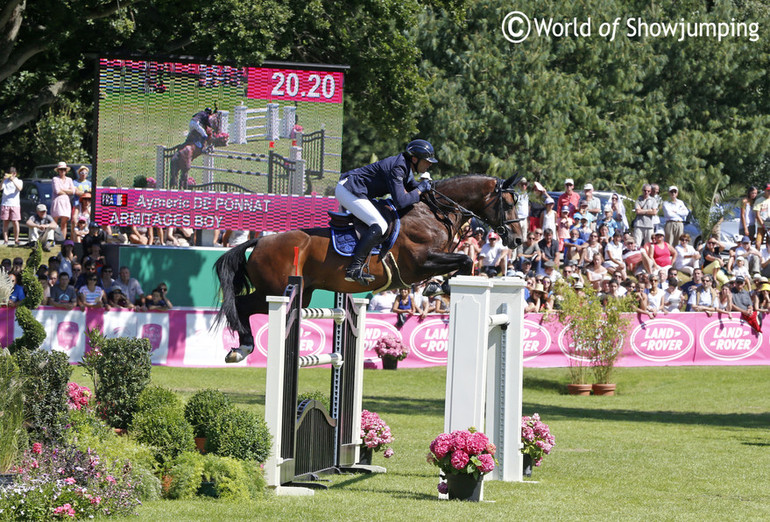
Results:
[33, 333]
[184, 476]
[46, 375]
[316, 395]
[240, 434]
[122, 372]
[166, 430]
[156, 397]
[203, 408]
[256, 474]
[140, 181]
[229, 478]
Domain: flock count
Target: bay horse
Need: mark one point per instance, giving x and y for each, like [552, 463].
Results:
[182, 159]
[424, 249]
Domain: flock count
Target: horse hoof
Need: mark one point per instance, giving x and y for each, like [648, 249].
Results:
[433, 289]
[236, 355]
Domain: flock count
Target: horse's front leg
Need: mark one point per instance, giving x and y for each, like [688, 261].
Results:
[440, 263]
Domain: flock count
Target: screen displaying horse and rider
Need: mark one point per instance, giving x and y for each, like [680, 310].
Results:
[204, 129]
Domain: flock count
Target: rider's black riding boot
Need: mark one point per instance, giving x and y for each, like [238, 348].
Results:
[355, 272]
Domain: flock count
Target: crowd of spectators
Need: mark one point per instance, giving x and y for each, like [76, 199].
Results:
[70, 282]
[583, 243]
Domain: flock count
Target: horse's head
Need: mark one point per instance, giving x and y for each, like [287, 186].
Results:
[507, 222]
[218, 138]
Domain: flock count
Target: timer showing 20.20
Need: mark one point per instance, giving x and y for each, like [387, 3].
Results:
[294, 84]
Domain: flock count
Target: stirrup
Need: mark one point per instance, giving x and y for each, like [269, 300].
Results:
[357, 275]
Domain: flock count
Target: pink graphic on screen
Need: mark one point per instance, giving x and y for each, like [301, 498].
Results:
[153, 332]
[67, 334]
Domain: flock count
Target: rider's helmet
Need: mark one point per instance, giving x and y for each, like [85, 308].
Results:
[421, 149]
[208, 110]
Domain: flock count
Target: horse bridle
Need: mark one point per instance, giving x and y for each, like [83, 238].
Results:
[501, 187]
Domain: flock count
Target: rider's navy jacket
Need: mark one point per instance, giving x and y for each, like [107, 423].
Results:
[388, 176]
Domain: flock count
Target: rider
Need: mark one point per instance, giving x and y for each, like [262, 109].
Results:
[393, 175]
[199, 125]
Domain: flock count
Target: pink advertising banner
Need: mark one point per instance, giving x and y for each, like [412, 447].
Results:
[188, 337]
[211, 210]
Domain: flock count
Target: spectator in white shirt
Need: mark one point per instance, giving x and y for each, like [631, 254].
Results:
[492, 256]
[593, 204]
[687, 258]
[746, 250]
[674, 214]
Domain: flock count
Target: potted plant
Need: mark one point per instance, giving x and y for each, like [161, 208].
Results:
[464, 457]
[536, 440]
[390, 349]
[201, 412]
[597, 326]
[375, 435]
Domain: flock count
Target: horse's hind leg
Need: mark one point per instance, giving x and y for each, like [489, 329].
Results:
[246, 305]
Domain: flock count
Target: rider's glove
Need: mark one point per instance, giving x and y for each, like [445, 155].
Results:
[424, 186]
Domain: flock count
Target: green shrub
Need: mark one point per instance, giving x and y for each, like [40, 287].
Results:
[122, 372]
[203, 408]
[240, 434]
[229, 478]
[256, 478]
[316, 395]
[140, 181]
[33, 333]
[46, 375]
[166, 430]
[13, 437]
[155, 397]
[184, 476]
[89, 432]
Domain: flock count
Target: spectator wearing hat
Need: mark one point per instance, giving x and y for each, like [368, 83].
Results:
[95, 235]
[593, 204]
[62, 188]
[662, 253]
[563, 226]
[746, 250]
[10, 208]
[492, 256]
[81, 200]
[536, 300]
[674, 214]
[608, 219]
[522, 205]
[583, 225]
[740, 268]
[762, 213]
[548, 217]
[42, 227]
[762, 298]
[569, 199]
[646, 208]
[748, 219]
[743, 303]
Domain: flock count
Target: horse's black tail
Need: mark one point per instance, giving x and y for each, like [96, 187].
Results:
[233, 281]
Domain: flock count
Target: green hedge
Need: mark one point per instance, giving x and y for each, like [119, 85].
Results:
[203, 408]
[46, 375]
[240, 434]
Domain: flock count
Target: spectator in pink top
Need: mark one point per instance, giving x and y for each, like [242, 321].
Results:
[63, 188]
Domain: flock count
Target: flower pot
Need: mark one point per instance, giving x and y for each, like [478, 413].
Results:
[365, 456]
[527, 465]
[579, 389]
[389, 363]
[464, 487]
[200, 444]
[603, 389]
[120, 431]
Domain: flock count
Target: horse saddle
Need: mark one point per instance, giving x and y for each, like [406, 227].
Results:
[346, 229]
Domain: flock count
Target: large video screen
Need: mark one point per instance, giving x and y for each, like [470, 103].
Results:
[215, 146]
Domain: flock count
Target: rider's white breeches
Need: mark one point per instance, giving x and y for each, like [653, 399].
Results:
[197, 127]
[362, 208]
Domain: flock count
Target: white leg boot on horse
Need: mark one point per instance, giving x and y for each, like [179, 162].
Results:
[355, 272]
[236, 355]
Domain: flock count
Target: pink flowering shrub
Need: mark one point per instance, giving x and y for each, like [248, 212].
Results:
[77, 396]
[536, 438]
[375, 433]
[463, 451]
[391, 346]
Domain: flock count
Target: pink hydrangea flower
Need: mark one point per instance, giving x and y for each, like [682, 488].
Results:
[388, 453]
[487, 463]
[477, 443]
[459, 459]
[37, 448]
[441, 445]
